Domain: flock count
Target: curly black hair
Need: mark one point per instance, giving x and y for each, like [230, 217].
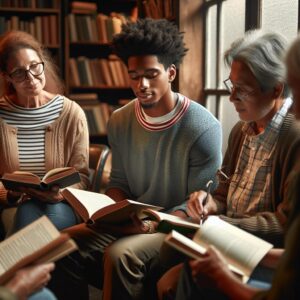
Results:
[151, 37]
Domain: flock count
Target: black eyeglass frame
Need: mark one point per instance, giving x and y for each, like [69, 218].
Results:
[25, 72]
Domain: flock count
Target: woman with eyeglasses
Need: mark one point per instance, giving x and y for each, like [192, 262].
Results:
[40, 130]
[263, 148]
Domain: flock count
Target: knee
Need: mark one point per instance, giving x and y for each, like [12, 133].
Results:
[122, 259]
[167, 284]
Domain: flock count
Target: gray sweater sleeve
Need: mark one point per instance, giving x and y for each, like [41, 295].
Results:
[205, 159]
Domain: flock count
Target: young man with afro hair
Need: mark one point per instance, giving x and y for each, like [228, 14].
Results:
[164, 147]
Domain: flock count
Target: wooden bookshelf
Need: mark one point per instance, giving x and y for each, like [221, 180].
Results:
[90, 66]
[41, 18]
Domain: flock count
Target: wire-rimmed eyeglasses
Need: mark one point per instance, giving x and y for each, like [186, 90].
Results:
[20, 75]
[240, 92]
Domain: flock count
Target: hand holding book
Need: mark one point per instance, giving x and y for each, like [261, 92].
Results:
[61, 177]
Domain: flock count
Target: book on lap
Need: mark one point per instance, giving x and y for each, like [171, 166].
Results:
[242, 250]
[168, 222]
[62, 177]
[96, 207]
[38, 242]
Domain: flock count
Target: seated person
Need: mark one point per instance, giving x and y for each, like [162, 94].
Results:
[164, 147]
[262, 147]
[40, 130]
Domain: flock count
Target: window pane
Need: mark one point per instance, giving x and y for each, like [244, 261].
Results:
[211, 47]
[228, 117]
[232, 27]
[211, 104]
[281, 16]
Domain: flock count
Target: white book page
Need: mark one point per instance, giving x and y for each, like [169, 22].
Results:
[185, 245]
[55, 171]
[241, 249]
[25, 242]
[90, 200]
[176, 220]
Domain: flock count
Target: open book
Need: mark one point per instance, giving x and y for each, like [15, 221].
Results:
[60, 176]
[39, 242]
[95, 207]
[242, 250]
[167, 222]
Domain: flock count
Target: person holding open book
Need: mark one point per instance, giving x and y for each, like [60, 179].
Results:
[164, 147]
[213, 271]
[40, 130]
[262, 148]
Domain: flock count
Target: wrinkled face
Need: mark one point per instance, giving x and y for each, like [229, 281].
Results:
[149, 80]
[250, 102]
[34, 81]
[293, 83]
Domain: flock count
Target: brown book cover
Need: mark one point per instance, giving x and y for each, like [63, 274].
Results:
[39, 242]
[96, 207]
[60, 176]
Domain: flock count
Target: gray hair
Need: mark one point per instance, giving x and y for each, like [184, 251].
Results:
[293, 58]
[263, 53]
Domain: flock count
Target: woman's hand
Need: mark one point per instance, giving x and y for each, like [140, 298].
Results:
[49, 196]
[30, 279]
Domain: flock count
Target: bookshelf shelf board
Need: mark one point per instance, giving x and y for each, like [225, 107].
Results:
[26, 10]
[89, 43]
[99, 87]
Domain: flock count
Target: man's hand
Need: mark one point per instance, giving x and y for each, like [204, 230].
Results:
[30, 279]
[195, 206]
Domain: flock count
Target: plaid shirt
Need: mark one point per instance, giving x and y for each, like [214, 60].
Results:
[250, 186]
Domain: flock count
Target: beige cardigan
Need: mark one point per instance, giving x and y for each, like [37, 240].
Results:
[66, 144]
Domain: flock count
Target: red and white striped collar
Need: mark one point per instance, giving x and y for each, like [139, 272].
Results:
[164, 125]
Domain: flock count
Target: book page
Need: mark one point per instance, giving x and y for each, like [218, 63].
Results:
[24, 173]
[241, 249]
[160, 216]
[90, 200]
[26, 241]
[184, 244]
[56, 171]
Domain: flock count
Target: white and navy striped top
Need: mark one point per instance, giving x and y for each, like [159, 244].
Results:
[31, 124]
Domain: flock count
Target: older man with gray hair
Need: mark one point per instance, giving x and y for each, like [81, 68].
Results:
[263, 148]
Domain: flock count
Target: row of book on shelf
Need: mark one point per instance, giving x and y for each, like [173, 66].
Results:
[97, 112]
[96, 27]
[29, 3]
[44, 28]
[109, 72]
[158, 9]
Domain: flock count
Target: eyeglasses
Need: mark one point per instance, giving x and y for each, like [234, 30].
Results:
[222, 177]
[240, 93]
[20, 75]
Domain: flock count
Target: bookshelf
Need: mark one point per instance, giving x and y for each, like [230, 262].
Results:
[41, 18]
[83, 51]
[96, 78]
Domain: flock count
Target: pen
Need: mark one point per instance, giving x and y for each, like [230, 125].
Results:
[208, 186]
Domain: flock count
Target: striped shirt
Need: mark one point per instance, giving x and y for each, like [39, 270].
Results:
[163, 122]
[31, 124]
[251, 184]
